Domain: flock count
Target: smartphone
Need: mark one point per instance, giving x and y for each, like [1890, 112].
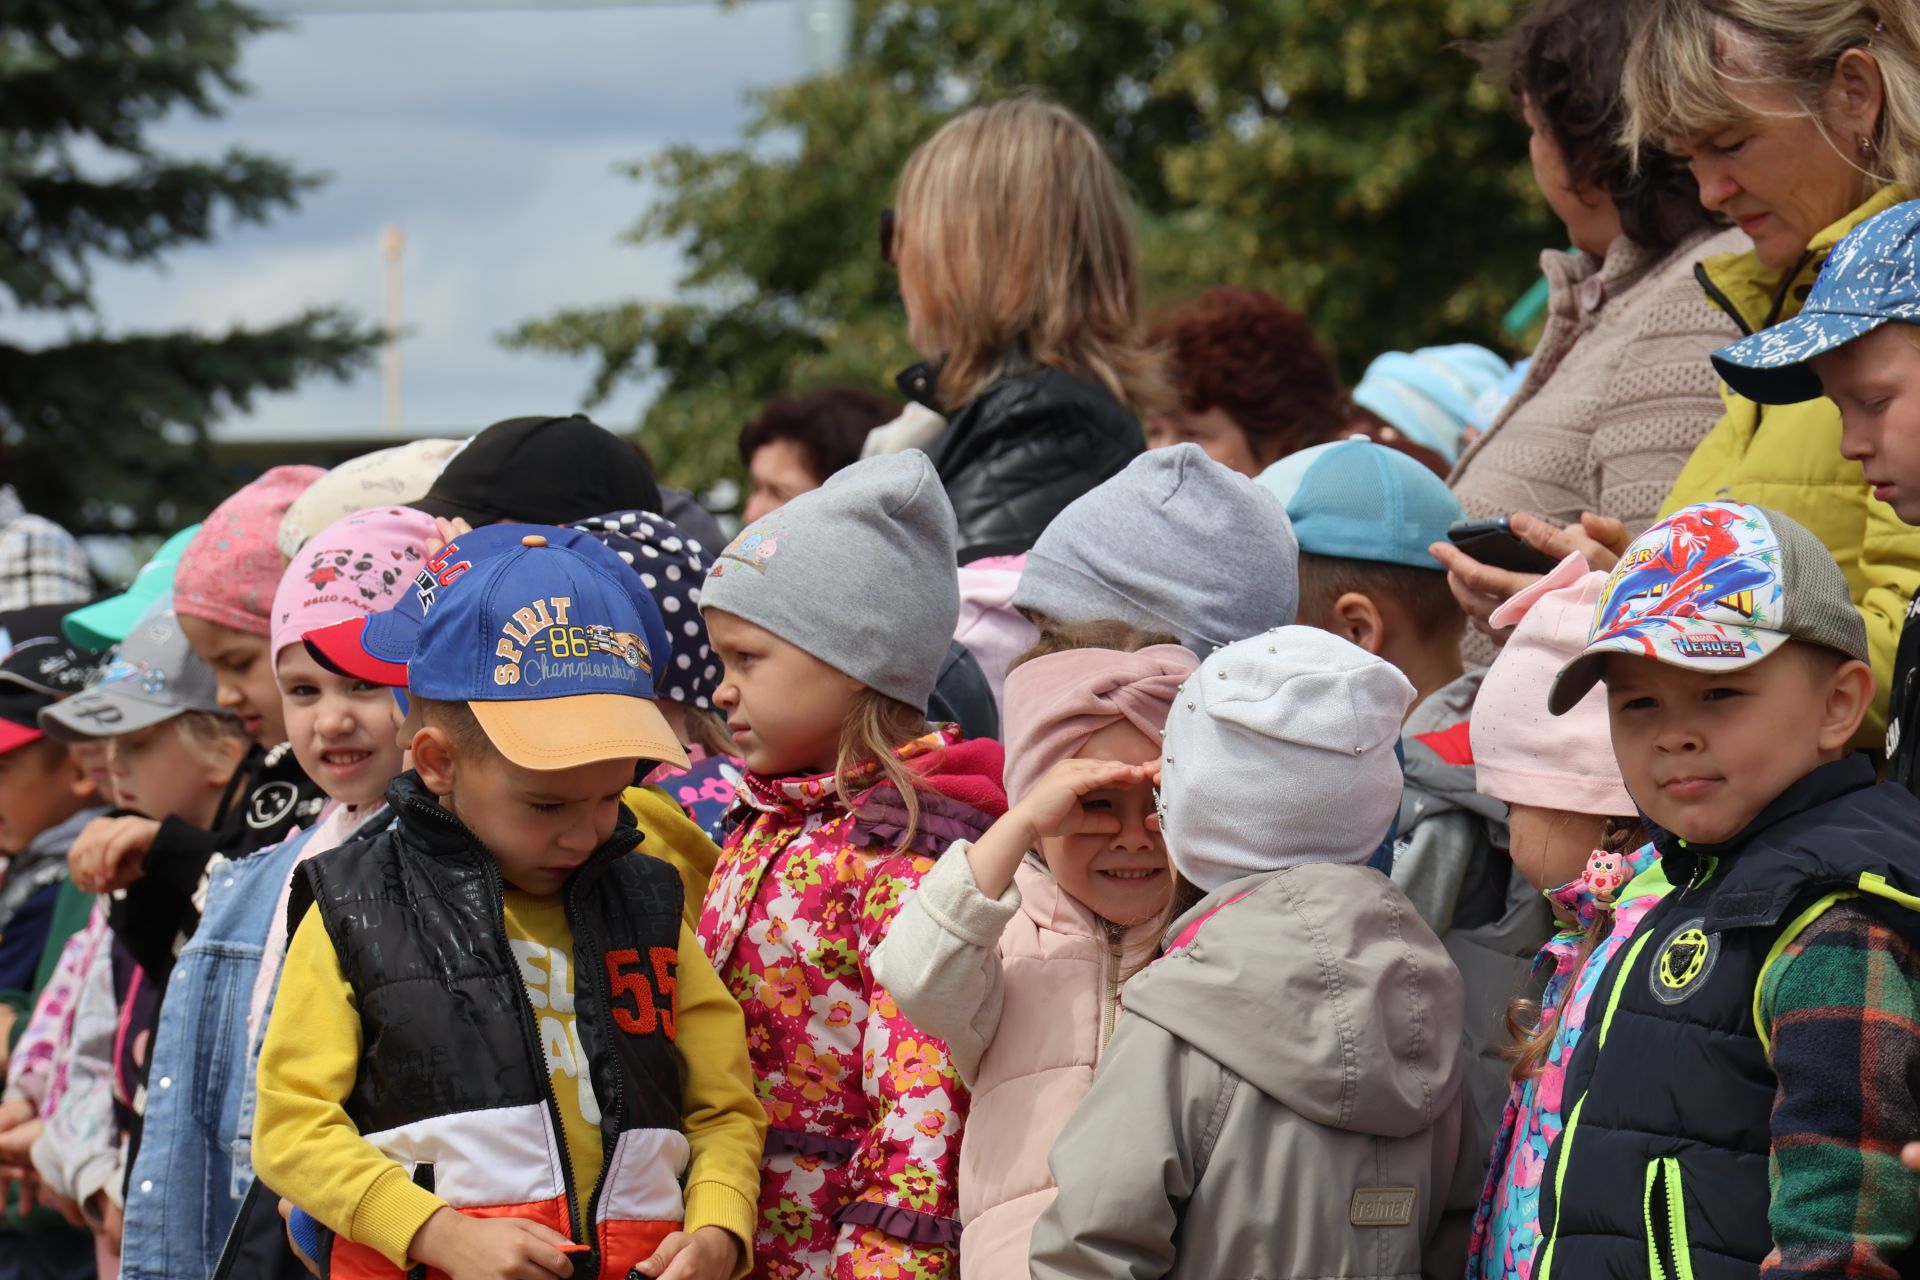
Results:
[1494, 542]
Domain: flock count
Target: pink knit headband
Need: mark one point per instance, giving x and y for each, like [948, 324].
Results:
[1056, 703]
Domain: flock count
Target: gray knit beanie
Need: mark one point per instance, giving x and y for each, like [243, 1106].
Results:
[859, 572]
[1176, 543]
[1279, 752]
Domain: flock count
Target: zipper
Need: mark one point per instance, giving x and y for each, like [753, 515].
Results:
[1669, 1256]
[603, 1014]
[1110, 989]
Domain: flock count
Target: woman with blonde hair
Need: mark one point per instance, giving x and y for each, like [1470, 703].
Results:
[1800, 120]
[1017, 266]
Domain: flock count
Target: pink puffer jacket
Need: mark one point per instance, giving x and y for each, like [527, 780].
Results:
[1025, 995]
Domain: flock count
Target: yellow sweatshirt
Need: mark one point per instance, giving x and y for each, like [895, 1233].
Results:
[676, 840]
[306, 1148]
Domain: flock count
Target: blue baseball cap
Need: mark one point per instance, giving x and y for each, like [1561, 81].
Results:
[553, 654]
[1363, 501]
[1871, 278]
[376, 648]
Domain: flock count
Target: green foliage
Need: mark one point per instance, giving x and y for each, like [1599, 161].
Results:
[110, 431]
[1341, 153]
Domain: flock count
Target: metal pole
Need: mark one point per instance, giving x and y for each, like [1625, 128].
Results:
[393, 242]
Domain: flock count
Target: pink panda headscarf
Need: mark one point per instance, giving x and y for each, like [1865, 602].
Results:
[1056, 703]
[229, 572]
[353, 567]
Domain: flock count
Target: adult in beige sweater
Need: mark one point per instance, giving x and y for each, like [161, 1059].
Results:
[1620, 390]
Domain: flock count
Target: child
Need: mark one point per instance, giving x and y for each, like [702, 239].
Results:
[1015, 947]
[497, 1007]
[1856, 341]
[223, 590]
[1110, 556]
[831, 617]
[1744, 1100]
[1365, 516]
[191, 1172]
[1282, 1095]
[1576, 839]
[173, 751]
[45, 798]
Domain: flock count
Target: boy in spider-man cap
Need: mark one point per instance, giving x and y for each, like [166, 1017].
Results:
[498, 1005]
[1753, 1074]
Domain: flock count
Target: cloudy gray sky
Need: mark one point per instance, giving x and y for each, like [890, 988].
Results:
[491, 138]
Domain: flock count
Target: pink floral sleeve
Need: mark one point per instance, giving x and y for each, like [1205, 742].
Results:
[902, 1218]
[30, 1071]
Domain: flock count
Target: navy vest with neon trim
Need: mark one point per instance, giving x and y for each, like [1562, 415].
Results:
[415, 916]
[1662, 1167]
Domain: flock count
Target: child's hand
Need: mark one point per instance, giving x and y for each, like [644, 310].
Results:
[106, 855]
[1057, 804]
[16, 1143]
[446, 531]
[293, 1243]
[15, 1111]
[490, 1248]
[710, 1253]
[111, 1216]
[1055, 807]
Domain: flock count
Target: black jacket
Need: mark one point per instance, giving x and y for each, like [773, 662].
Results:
[1672, 1164]
[1017, 453]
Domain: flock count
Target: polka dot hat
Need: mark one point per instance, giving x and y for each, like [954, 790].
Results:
[671, 565]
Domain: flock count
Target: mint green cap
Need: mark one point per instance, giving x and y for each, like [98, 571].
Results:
[105, 623]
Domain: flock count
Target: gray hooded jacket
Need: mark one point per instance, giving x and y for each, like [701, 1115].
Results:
[1282, 1097]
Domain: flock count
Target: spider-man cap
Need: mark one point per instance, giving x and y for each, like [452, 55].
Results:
[554, 656]
[1716, 587]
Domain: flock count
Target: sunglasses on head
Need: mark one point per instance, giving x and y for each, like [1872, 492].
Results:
[886, 236]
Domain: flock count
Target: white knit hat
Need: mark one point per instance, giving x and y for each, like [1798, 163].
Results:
[1279, 751]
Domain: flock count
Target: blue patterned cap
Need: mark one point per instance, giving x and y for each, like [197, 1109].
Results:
[1869, 279]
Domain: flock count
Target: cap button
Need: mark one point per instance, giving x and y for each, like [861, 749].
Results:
[534, 540]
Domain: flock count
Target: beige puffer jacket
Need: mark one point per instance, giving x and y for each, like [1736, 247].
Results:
[1282, 1097]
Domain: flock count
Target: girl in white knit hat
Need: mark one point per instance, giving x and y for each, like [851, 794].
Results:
[1282, 1095]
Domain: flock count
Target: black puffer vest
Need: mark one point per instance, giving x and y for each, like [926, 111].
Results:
[454, 1081]
[1662, 1168]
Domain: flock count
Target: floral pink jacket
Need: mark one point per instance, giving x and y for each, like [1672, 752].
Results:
[861, 1167]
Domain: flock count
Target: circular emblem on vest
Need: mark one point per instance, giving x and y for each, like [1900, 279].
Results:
[269, 803]
[1684, 961]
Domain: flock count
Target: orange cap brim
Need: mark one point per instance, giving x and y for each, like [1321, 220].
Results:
[560, 733]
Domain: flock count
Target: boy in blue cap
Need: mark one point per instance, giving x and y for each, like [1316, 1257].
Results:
[497, 1036]
[1856, 342]
[1365, 515]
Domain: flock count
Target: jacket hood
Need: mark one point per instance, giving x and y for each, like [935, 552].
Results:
[969, 772]
[1437, 755]
[1321, 987]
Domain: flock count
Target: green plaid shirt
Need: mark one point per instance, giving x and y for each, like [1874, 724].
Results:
[1841, 1006]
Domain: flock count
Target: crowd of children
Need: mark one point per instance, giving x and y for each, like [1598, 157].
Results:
[454, 865]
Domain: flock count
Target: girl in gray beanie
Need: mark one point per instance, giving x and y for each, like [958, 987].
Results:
[831, 617]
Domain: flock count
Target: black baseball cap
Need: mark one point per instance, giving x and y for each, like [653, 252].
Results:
[40, 667]
[542, 471]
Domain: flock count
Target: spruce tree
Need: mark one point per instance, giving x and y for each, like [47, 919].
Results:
[106, 429]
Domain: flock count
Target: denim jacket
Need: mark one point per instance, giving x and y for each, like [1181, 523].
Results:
[194, 1164]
